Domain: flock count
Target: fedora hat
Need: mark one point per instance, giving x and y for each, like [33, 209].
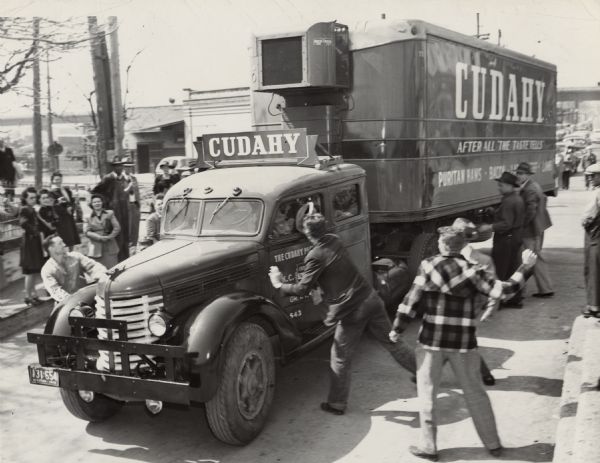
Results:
[524, 168]
[127, 161]
[508, 178]
[117, 161]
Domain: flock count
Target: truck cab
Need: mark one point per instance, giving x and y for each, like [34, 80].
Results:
[194, 317]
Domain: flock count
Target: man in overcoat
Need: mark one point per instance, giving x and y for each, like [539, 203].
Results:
[535, 222]
[113, 188]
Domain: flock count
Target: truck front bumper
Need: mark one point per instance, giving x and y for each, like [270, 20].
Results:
[110, 384]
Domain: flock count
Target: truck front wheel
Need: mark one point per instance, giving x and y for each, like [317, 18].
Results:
[95, 408]
[239, 409]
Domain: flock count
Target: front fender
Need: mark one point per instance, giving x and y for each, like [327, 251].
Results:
[209, 327]
[58, 323]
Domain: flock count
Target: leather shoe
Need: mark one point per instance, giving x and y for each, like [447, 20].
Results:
[587, 313]
[417, 452]
[511, 305]
[497, 452]
[544, 295]
[489, 380]
[329, 409]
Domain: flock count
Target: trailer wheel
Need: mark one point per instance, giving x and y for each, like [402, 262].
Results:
[238, 411]
[98, 409]
[423, 246]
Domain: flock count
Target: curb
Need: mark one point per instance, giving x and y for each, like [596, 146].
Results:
[25, 319]
[579, 403]
[587, 423]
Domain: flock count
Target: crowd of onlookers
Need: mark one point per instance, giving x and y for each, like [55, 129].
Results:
[52, 219]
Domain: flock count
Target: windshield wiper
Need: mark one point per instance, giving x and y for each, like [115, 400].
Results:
[218, 208]
[184, 208]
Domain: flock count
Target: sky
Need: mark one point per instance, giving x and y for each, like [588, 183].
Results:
[203, 44]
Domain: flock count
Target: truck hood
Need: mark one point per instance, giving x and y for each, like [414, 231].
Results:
[175, 264]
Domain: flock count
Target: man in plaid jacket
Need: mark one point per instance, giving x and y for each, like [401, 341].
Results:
[445, 291]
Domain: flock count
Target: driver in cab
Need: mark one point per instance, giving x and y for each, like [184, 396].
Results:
[354, 307]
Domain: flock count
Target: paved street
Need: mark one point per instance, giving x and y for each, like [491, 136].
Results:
[525, 348]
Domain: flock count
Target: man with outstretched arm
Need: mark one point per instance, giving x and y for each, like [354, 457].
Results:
[445, 291]
[354, 307]
[63, 273]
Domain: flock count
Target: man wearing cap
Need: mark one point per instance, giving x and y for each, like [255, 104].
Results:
[112, 187]
[444, 291]
[591, 225]
[482, 303]
[508, 232]
[353, 306]
[535, 222]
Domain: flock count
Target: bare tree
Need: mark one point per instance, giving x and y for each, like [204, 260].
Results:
[18, 50]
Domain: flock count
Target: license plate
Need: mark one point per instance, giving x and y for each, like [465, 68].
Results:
[42, 375]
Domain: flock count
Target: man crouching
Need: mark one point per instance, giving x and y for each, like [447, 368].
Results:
[354, 307]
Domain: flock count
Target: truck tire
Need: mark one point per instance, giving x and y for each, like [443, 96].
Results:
[423, 246]
[238, 411]
[99, 409]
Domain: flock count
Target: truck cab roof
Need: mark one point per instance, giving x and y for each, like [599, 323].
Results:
[266, 182]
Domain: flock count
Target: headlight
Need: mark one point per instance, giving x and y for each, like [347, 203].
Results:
[81, 311]
[157, 325]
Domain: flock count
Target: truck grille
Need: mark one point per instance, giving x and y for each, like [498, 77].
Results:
[136, 312]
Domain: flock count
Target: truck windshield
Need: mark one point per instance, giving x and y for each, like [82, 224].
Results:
[231, 217]
[181, 216]
[223, 217]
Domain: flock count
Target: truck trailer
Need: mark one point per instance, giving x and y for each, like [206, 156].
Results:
[389, 131]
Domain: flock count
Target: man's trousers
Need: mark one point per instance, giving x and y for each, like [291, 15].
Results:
[541, 271]
[466, 369]
[506, 254]
[591, 271]
[371, 317]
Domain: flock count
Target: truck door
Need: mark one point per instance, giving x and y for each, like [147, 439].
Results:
[350, 216]
[287, 249]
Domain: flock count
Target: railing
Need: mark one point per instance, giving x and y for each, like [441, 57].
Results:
[10, 230]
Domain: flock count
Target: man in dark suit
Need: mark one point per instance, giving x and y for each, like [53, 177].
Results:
[536, 221]
[8, 173]
[508, 232]
[113, 187]
[354, 307]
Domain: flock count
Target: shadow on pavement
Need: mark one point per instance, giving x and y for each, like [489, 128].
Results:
[538, 452]
[534, 384]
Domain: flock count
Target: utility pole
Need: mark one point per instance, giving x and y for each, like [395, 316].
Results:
[499, 37]
[54, 167]
[104, 130]
[37, 116]
[479, 35]
[115, 78]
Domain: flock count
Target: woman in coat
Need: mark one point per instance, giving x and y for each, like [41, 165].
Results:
[67, 209]
[101, 227]
[47, 213]
[32, 255]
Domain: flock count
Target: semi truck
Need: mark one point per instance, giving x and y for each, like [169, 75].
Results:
[389, 130]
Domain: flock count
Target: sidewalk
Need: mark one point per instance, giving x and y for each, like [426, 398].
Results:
[15, 315]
